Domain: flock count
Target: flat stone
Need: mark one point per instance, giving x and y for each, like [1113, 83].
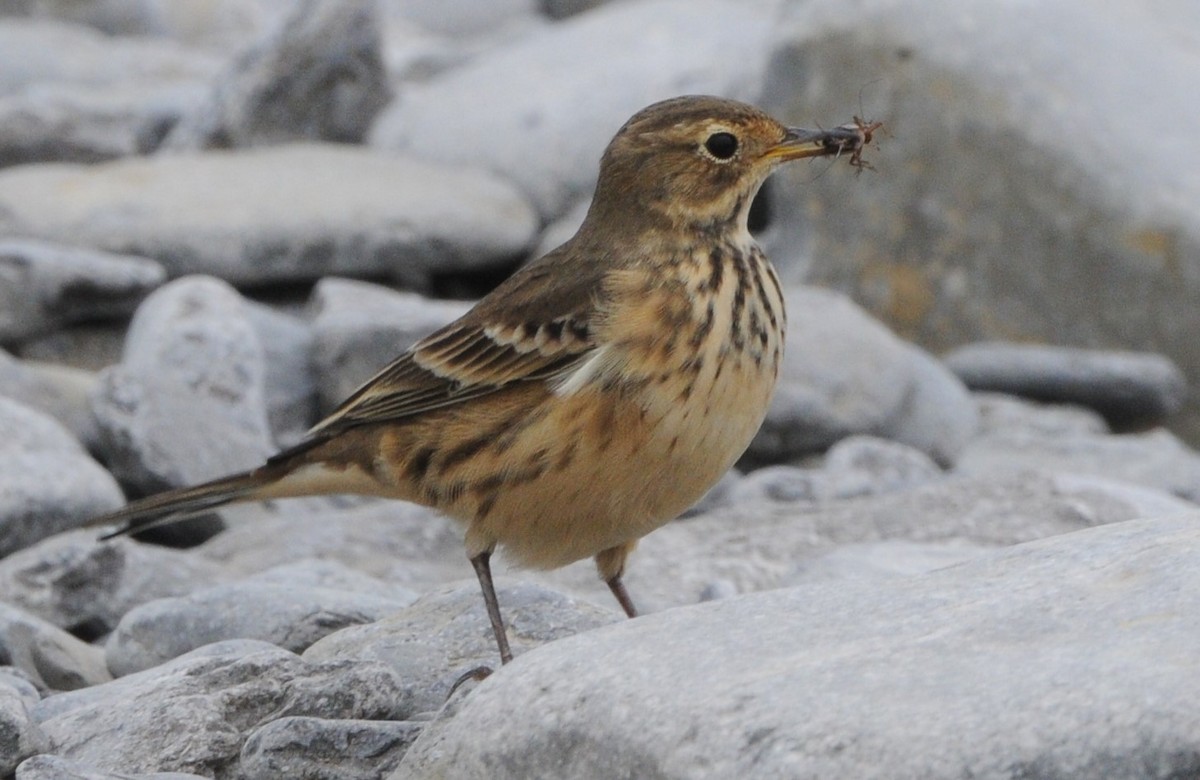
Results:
[52, 658]
[327, 574]
[1040, 226]
[48, 767]
[46, 286]
[48, 483]
[294, 747]
[359, 328]
[555, 114]
[446, 633]
[187, 403]
[1066, 657]
[57, 390]
[320, 76]
[194, 714]
[845, 373]
[289, 615]
[288, 213]
[1004, 414]
[1128, 388]
[84, 586]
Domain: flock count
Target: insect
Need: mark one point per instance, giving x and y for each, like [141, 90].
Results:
[853, 137]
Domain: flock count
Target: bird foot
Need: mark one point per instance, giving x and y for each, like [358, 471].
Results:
[478, 674]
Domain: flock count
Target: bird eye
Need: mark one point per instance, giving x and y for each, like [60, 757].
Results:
[722, 145]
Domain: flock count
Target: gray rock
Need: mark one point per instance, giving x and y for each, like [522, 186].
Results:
[1156, 459]
[84, 586]
[446, 633]
[318, 573]
[780, 483]
[89, 346]
[52, 658]
[59, 391]
[290, 380]
[359, 328]
[1067, 657]
[289, 615]
[45, 286]
[555, 116]
[759, 545]
[1128, 388]
[48, 483]
[288, 213]
[460, 18]
[20, 736]
[319, 77]
[844, 373]
[187, 401]
[561, 9]
[88, 123]
[321, 749]
[47, 767]
[1003, 414]
[193, 714]
[38, 51]
[1007, 204]
[882, 560]
[562, 229]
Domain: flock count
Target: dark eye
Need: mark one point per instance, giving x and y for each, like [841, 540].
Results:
[721, 145]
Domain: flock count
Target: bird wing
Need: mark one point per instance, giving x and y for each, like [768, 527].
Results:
[537, 325]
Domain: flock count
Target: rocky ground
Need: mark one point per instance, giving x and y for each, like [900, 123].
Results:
[964, 543]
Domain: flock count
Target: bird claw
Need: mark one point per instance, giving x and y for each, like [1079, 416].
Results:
[478, 674]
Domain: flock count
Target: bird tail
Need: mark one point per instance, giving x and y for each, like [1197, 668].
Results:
[275, 479]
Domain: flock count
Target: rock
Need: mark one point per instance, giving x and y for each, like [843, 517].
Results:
[562, 229]
[193, 714]
[555, 116]
[52, 658]
[84, 586]
[34, 52]
[290, 381]
[45, 286]
[1156, 459]
[48, 483]
[446, 633]
[20, 737]
[319, 77]
[1003, 414]
[560, 9]
[89, 123]
[59, 391]
[460, 18]
[289, 615]
[844, 373]
[1040, 224]
[317, 573]
[1129, 388]
[882, 560]
[972, 671]
[759, 545]
[359, 328]
[288, 213]
[314, 748]
[90, 346]
[47, 767]
[187, 401]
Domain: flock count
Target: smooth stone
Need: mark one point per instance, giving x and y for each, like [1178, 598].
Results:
[290, 382]
[1065, 657]
[86, 123]
[20, 736]
[48, 483]
[187, 402]
[464, 18]
[555, 116]
[194, 713]
[289, 615]
[1156, 459]
[323, 749]
[882, 560]
[358, 328]
[89, 346]
[84, 586]
[446, 633]
[52, 658]
[1003, 414]
[44, 286]
[320, 573]
[1005, 202]
[57, 390]
[287, 213]
[1128, 388]
[845, 373]
[48, 767]
[319, 76]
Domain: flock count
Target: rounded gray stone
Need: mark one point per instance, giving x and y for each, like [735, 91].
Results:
[20, 736]
[48, 767]
[52, 658]
[305, 747]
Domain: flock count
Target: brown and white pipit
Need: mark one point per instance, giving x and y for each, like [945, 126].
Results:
[599, 391]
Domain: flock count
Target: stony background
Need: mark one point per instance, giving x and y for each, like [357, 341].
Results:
[965, 543]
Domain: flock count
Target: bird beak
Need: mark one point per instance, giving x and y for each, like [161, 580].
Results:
[800, 143]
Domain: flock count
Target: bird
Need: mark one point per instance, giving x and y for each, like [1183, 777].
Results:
[596, 393]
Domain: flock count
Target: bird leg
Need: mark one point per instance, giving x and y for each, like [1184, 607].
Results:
[611, 565]
[483, 571]
[618, 589]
